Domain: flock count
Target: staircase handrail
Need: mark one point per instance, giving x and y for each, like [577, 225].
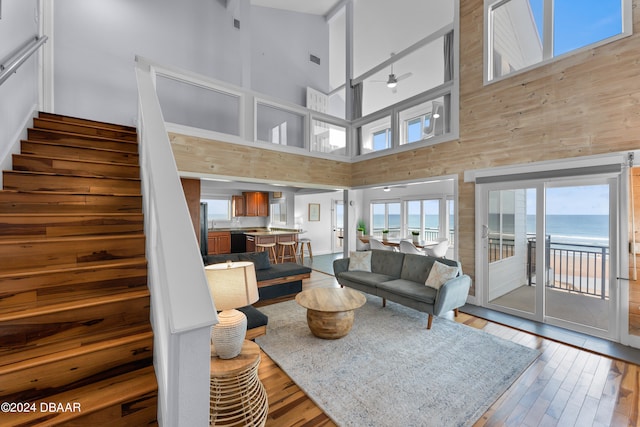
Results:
[181, 306]
[14, 62]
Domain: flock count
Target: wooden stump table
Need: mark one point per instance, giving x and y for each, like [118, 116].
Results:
[237, 396]
[330, 310]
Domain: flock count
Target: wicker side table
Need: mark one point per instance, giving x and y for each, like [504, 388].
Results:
[237, 396]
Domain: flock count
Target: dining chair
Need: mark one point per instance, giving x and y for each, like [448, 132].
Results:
[439, 250]
[377, 244]
[407, 247]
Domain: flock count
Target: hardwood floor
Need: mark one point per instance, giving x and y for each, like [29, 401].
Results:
[565, 386]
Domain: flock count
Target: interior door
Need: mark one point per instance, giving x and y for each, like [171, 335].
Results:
[337, 226]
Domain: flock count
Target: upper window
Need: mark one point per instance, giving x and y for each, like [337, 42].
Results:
[522, 33]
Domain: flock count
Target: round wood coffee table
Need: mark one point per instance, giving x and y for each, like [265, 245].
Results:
[330, 310]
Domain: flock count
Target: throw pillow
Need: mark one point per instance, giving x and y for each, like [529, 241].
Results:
[260, 259]
[439, 274]
[360, 261]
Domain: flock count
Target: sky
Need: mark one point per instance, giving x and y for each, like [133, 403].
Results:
[578, 200]
[578, 23]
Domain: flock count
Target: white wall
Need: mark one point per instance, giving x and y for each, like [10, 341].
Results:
[320, 232]
[19, 93]
[281, 43]
[96, 43]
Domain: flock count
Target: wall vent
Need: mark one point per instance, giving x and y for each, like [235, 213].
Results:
[236, 23]
[314, 59]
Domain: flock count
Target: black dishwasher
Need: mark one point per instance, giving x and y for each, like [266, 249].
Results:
[238, 242]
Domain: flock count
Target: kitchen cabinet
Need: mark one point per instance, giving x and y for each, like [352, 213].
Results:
[219, 242]
[256, 203]
[237, 205]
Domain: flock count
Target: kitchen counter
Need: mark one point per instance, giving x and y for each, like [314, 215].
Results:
[273, 236]
[271, 233]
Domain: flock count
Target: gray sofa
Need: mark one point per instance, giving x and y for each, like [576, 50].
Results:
[401, 278]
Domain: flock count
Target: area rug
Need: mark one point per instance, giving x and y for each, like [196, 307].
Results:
[390, 370]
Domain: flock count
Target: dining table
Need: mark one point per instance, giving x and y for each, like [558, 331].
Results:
[396, 242]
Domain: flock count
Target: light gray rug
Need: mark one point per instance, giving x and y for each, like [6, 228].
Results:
[390, 370]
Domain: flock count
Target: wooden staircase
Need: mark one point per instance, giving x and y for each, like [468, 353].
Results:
[74, 305]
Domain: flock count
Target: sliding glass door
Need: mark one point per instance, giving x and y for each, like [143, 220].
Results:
[548, 251]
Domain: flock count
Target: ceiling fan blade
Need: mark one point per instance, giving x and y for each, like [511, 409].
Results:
[404, 76]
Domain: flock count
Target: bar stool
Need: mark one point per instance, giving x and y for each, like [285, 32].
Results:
[271, 248]
[302, 243]
[291, 248]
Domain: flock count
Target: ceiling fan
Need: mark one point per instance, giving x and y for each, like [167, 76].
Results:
[392, 80]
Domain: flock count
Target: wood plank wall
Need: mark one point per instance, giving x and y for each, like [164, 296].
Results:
[210, 157]
[585, 104]
[191, 189]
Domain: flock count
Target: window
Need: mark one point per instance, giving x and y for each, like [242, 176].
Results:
[279, 126]
[328, 138]
[376, 136]
[501, 232]
[382, 140]
[218, 210]
[386, 216]
[423, 121]
[522, 33]
[278, 213]
[423, 216]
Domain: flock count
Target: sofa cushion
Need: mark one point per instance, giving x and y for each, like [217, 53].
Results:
[365, 278]
[387, 262]
[416, 267]
[220, 258]
[410, 289]
[281, 270]
[259, 259]
[255, 317]
[439, 274]
[360, 261]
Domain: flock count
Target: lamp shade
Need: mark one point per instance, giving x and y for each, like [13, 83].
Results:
[232, 284]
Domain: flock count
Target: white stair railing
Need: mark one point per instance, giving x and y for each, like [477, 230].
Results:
[182, 311]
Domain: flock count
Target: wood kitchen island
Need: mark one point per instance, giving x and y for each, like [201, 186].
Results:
[273, 236]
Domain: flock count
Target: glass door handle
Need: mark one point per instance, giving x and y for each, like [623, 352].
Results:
[485, 231]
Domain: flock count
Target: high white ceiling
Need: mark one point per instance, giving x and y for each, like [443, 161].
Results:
[315, 7]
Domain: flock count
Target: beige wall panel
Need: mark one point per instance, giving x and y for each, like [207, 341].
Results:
[206, 156]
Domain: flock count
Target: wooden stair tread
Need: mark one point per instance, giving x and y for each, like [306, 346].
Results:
[84, 128]
[71, 305]
[93, 398]
[29, 173]
[61, 144]
[93, 162]
[65, 193]
[88, 122]
[70, 344]
[72, 238]
[96, 138]
[65, 354]
[70, 270]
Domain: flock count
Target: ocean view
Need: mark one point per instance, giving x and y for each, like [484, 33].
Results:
[576, 229]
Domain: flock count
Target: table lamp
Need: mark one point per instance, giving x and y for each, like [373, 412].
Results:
[232, 285]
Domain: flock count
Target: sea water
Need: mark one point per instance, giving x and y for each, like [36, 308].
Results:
[568, 229]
